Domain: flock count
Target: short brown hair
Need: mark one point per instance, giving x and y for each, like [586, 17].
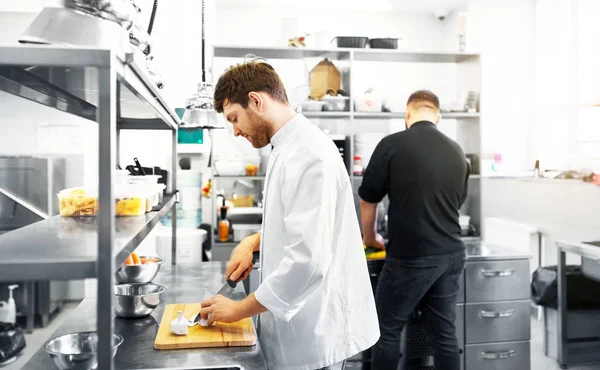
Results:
[241, 79]
[424, 98]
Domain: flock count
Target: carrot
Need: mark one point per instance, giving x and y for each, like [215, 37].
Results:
[136, 259]
[129, 261]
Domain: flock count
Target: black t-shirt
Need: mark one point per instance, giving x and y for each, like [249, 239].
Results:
[425, 175]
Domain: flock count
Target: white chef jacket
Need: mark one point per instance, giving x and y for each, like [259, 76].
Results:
[314, 278]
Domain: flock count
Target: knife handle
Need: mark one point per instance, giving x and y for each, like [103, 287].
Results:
[232, 283]
[255, 257]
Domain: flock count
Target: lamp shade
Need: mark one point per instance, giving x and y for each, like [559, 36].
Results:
[199, 110]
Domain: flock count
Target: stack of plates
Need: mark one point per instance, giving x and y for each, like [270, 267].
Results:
[364, 145]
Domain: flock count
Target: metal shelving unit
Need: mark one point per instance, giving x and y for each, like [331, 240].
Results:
[468, 78]
[114, 90]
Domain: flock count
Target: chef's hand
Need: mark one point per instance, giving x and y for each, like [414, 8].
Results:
[375, 242]
[219, 308]
[240, 264]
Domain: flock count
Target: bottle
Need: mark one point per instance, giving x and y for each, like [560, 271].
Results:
[536, 170]
[8, 310]
[224, 224]
[357, 168]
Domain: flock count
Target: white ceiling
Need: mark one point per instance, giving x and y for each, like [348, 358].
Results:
[426, 6]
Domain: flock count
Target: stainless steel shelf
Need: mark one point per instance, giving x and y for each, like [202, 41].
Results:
[364, 55]
[254, 178]
[224, 51]
[400, 115]
[62, 248]
[407, 56]
[66, 79]
[327, 114]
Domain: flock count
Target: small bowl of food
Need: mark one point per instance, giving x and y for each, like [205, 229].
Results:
[77, 351]
[138, 269]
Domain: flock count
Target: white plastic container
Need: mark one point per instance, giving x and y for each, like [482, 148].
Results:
[147, 179]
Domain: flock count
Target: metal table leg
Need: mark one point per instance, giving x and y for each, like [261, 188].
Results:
[562, 310]
[30, 287]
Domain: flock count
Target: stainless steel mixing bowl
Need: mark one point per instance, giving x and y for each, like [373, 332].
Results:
[77, 351]
[136, 300]
[138, 274]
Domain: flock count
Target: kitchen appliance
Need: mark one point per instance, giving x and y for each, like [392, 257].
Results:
[199, 109]
[237, 334]
[383, 43]
[351, 41]
[342, 142]
[77, 351]
[136, 300]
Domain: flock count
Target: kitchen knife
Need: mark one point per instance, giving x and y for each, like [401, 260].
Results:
[225, 290]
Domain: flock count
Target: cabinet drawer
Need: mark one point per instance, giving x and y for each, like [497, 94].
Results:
[499, 356]
[497, 280]
[497, 322]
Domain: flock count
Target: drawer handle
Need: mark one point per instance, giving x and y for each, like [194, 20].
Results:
[497, 314]
[498, 355]
[497, 273]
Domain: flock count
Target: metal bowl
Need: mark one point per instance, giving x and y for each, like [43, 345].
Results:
[136, 300]
[77, 351]
[138, 274]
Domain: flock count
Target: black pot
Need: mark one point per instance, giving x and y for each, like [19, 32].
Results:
[384, 43]
[351, 41]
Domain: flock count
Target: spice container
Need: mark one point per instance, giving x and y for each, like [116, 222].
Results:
[357, 168]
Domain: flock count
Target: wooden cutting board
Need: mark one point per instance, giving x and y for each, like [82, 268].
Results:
[237, 334]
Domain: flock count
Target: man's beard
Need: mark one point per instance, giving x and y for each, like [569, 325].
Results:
[261, 130]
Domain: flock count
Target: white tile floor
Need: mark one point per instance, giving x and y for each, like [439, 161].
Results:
[538, 360]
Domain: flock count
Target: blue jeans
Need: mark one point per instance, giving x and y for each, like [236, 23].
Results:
[431, 282]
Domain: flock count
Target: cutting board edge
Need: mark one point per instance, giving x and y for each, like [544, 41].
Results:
[169, 346]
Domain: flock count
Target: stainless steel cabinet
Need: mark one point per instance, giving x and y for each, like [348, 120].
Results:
[497, 280]
[499, 356]
[496, 315]
[497, 322]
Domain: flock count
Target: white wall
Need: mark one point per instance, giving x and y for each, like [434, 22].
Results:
[503, 32]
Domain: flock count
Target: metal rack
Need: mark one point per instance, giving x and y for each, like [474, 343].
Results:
[114, 90]
[468, 69]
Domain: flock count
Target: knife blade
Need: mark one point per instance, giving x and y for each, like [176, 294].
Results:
[226, 290]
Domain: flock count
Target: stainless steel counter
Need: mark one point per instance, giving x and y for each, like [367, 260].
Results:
[184, 284]
[482, 251]
[587, 250]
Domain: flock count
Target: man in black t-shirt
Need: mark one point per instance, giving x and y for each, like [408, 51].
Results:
[424, 174]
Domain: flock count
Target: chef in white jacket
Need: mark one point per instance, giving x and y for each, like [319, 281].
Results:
[315, 299]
